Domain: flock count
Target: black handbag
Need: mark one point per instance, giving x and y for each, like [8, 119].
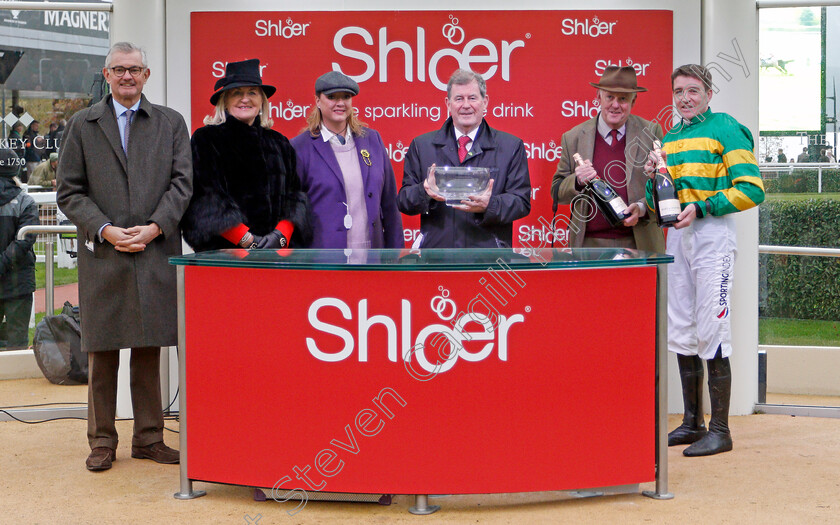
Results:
[58, 348]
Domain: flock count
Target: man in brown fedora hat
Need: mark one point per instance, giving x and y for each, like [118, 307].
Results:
[615, 145]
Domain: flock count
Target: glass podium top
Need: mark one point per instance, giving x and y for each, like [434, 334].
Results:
[423, 260]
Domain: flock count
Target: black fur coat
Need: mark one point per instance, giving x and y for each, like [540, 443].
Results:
[243, 174]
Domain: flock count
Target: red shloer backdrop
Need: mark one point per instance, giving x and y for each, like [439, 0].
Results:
[538, 65]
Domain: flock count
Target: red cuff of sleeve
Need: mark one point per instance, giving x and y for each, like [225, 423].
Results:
[286, 228]
[235, 234]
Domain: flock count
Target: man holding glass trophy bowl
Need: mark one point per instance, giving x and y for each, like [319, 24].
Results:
[467, 181]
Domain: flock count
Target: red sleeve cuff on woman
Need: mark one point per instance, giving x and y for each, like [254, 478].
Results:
[235, 234]
[286, 228]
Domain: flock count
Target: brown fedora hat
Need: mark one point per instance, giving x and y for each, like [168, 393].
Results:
[619, 80]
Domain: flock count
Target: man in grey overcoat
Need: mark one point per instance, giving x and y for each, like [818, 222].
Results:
[124, 180]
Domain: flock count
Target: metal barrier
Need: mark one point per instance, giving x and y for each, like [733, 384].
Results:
[48, 215]
[49, 284]
[793, 410]
[771, 170]
[798, 250]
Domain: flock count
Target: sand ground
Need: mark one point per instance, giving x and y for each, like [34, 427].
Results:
[783, 470]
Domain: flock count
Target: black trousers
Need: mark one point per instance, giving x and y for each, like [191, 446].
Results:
[16, 311]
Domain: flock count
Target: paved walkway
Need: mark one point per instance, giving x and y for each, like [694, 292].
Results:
[65, 292]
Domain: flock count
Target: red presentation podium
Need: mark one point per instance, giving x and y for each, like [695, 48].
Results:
[433, 372]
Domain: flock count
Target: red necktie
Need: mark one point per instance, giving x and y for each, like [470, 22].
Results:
[462, 147]
[614, 133]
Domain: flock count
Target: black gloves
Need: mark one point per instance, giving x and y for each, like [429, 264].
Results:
[272, 241]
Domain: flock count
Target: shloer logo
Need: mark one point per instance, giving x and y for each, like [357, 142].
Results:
[409, 344]
[397, 153]
[543, 235]
[376, 54]
[550, 152]
[287, 29]
[601, 65]
[593, 28]
[290, 111]
[573, 108]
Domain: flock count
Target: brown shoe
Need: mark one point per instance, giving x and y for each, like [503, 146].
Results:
[157, 452]
[100, 458]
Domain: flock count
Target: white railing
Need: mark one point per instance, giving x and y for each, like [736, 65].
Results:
[772, 170]
[49, 215]
[833, 412]
[49, 275]
[798, 250]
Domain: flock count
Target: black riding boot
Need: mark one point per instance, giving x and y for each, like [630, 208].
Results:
[693, 427]
[718, 439]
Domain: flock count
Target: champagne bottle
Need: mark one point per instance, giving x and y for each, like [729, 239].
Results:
[666, 202]
[606, 198]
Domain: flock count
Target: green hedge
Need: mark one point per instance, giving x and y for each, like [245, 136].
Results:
[802, 181]
[801, 287]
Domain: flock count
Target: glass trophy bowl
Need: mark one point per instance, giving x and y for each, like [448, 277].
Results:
[456, 183]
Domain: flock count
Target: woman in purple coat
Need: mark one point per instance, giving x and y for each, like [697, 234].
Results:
[345, 170]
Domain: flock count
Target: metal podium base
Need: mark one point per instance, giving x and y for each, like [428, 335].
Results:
[381, 499]
[586, 493]
[656, 495]
[190, 495]
[422, 507]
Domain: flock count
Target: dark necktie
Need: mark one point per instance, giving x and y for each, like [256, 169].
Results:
[128, 114]
[341, 139]
[614, 134]
[462, 147]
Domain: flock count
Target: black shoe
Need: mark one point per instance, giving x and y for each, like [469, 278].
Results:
[685, 435]
[718, 439]
[713, 443]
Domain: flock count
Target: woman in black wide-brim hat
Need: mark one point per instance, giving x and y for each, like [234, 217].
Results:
[246, 189]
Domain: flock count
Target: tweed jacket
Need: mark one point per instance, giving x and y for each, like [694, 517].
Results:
[639, 138]
[126, 299]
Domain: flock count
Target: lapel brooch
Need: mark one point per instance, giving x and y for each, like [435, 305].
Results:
[366, 157]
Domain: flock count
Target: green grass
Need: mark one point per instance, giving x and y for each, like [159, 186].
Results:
[798, 332]
[801, 196]
[61, 275]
